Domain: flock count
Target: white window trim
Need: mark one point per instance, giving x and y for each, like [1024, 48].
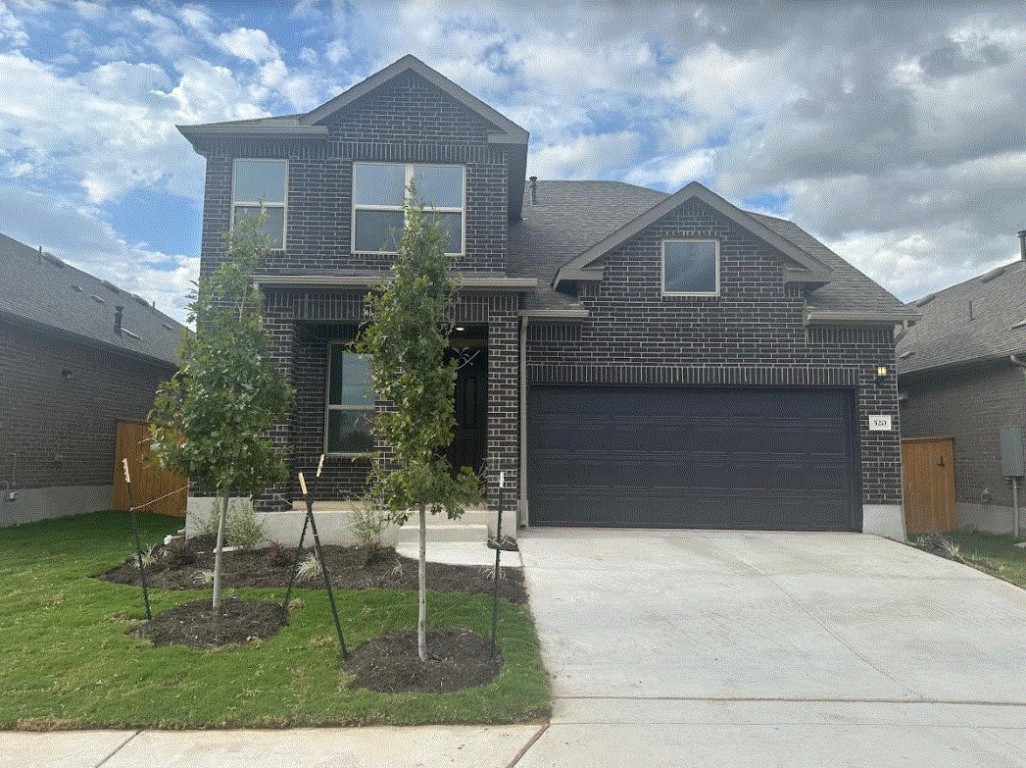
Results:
[408, 177]
[344, 346]
[662, 266]
[284, 205]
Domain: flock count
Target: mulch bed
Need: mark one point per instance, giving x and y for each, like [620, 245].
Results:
[180, 566]
[458, 658]
[196, 624]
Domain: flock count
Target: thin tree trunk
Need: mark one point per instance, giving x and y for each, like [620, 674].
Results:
[222, 518]
[422, 588]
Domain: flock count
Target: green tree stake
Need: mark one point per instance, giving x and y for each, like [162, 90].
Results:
[138, 543]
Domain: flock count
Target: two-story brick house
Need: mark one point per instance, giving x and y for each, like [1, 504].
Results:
[629, 357]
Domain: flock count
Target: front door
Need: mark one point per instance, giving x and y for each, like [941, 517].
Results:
[470, 438]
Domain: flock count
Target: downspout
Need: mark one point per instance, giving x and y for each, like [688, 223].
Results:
[523, 519]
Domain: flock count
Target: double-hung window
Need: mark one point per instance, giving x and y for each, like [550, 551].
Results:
[260, 185]
[350, 402]
[691, 268]
[379, 197]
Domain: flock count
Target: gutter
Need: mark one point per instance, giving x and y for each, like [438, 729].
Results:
[523, 517]
[815, 316]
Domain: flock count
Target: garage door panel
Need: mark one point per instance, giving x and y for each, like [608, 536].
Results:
[678, 457]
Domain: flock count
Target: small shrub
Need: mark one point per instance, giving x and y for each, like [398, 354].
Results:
[369, 521]
[279, 556]
[178, 554]
[309, 569]
[488, 572]
[149, 556]
[243, 529]
[203, 578]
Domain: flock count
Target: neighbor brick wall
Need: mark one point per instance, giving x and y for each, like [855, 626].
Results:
[407, 120]
[63, 430]
[752, 334]
[972, 403]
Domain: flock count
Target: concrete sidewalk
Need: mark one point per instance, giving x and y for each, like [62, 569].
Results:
[377, 747]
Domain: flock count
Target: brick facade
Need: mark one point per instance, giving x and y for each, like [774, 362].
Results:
[63, 428]
[752, 334]
[936, 404]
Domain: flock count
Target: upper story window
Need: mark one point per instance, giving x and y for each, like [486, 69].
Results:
[261, 184]
[350, 402]
[691, 268]
[379, 194]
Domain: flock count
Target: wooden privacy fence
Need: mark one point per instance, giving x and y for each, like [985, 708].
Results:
[150, 483]
[928, 478]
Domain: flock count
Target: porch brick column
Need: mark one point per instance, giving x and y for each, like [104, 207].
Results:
[503, 399]
[279, 322]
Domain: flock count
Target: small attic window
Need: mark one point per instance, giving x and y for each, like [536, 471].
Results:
[691, 268]
[926, 300]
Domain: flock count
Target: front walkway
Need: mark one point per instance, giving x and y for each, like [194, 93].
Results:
[736, 649]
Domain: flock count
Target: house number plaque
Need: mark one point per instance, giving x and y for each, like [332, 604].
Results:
[880, 423]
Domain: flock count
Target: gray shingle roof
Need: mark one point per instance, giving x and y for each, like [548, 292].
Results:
[947, 336]
[44, 291]
[572, 216]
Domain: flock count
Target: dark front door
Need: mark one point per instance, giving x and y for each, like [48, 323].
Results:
[777, 459]
[470, 438]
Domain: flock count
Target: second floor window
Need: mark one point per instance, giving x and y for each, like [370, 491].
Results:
[261, 184]
[379, 194]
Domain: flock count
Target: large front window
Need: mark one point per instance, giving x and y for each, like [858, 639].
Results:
[259, 185]
[350, 402]
[379, 197]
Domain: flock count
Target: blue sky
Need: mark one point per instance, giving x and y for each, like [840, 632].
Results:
[894, 132]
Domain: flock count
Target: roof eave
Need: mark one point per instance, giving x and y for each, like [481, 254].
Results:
[511, 284]
[815, 316]
[556, 314]
[991, 358]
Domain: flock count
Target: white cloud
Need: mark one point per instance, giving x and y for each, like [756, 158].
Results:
[248, 44]
[83, 240]
[12, 31]
[584, 157]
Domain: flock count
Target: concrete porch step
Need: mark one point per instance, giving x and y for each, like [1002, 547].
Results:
[451, 532]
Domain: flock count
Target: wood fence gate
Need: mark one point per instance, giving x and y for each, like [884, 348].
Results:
[150, 483]
[928, 479]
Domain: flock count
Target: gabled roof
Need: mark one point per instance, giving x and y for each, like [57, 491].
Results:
[817, 271]
[40, 290]
[507, 132]
[571, 217]
[948, 335]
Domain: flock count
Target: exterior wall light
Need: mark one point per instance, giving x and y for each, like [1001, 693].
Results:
[881, 374]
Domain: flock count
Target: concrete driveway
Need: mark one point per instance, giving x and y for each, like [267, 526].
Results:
[749, 648]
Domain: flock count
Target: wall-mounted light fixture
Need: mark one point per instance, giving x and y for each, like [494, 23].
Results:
[881, 374]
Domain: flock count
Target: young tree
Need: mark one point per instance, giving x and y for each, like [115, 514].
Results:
[209, 420]
[407, 340]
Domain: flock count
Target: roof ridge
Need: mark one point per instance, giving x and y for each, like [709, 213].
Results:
[1007, 267]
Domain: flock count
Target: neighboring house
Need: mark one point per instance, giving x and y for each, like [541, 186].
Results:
[76, 355]
[633, 358]
[957, 378]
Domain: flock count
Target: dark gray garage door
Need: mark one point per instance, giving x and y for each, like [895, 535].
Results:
[770, 459]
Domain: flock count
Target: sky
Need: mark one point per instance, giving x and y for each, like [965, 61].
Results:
[894, 132]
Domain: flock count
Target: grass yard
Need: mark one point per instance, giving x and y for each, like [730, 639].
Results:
[68, 661]
[993, 554]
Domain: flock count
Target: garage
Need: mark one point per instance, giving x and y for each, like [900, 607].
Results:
[761, 459]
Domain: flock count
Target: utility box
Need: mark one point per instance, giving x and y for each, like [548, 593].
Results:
[1011, 451]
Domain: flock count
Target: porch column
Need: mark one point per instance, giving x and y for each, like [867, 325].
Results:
[279, 322]
[503, 400]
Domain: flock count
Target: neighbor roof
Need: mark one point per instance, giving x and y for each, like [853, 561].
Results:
[571, 218]
[41, 290]
[947, 334]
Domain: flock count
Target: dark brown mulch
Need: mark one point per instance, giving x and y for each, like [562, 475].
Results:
[196, 625]
[350, 568]
[458, 658]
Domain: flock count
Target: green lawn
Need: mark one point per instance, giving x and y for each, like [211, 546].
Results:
[68, 661]
[993, 554]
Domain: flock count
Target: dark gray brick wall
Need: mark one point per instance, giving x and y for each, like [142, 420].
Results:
[750, 335]
[302, 323]
[63, 430]
[408, 120]
[972, 404]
